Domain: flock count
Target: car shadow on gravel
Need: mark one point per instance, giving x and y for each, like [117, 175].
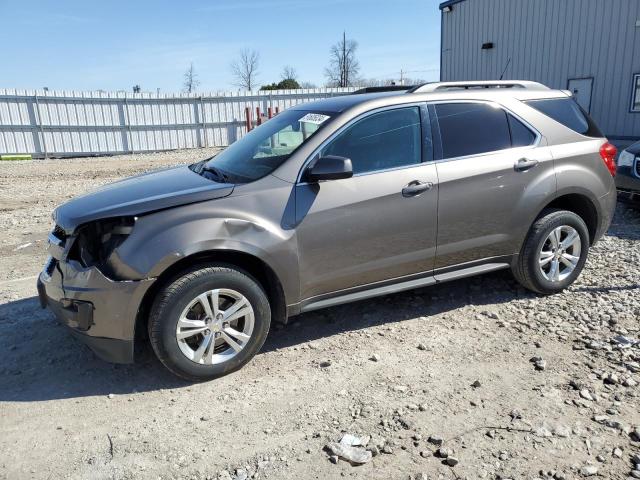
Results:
[40, 360]
[490, 289]
[626, 222]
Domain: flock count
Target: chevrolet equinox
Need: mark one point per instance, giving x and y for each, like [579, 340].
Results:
[329, 202]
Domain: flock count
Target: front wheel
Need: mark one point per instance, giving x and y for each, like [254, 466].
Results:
[553, 253]
[209, 322]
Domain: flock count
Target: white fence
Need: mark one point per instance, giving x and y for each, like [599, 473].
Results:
[57, 124]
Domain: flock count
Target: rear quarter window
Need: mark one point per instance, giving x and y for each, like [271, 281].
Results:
[567, 112]
[521, 135]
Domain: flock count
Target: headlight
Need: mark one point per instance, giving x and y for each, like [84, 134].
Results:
[96, 241]
[626, 159]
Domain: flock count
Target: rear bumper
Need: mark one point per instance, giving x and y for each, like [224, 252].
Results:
[628, 184]
[626, 180]
[607, 208]
[98, 311]
[629, 196]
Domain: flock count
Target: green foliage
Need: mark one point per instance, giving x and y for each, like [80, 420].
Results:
[287, 84]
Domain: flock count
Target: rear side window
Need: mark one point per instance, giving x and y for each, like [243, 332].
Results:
[471, 129]
[567, 112]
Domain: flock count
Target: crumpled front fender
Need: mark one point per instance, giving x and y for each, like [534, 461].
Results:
[161, 239]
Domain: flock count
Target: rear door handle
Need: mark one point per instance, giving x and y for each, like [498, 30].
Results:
[416, 188]
[524, 164]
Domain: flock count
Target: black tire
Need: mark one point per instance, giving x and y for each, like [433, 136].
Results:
[527, 270]
[177, 295]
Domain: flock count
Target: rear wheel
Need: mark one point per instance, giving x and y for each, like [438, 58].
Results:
[209, 322]
[553, 253]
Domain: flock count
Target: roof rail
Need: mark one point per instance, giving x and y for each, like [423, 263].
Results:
[388, 88]
[443, 86]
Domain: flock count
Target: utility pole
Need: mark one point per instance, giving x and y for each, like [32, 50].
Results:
[401, 77]
[344, 59]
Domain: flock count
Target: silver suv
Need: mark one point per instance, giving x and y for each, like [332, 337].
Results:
[331, 202]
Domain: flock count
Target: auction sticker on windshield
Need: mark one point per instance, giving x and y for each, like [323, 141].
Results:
[315, 118]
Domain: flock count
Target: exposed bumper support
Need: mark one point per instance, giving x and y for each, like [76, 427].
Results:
[98, 311]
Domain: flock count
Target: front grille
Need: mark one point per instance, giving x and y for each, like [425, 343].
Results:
[637, 166]
[50, 266]
[58, 237]
[59, 232]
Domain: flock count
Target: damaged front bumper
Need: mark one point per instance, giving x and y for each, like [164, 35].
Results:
[99, 311]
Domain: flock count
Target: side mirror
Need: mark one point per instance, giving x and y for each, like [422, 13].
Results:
[330, 167]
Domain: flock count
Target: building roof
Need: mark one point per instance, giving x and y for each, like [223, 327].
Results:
[449, 3]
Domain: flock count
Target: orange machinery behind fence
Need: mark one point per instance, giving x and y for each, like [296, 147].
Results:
[249, 124]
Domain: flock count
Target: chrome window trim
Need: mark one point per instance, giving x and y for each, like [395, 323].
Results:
[362, 116]
[534, 145]
[486, 154]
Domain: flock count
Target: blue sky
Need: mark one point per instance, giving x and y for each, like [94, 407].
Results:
[112, 45]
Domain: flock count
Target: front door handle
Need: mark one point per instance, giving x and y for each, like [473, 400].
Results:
[416, 188]
[524, 164]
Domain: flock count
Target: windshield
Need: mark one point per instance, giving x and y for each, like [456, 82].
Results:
[266, 147]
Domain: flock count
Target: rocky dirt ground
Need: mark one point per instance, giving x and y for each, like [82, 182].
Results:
[472, 379]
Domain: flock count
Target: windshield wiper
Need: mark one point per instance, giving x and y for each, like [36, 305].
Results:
[219, 174]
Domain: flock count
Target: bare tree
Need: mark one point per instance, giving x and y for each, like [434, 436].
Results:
[191, 81]
[245, 69]
[289, 73]
[343, 66]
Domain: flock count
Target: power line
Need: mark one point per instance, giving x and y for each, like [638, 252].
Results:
[403, 71]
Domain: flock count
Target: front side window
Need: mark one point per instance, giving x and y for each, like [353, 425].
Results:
[265, 148]
[472, 129]
[635, 93]
[388, 139]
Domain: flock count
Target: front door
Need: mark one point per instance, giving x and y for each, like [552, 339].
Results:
[580, 88]
[381, 223]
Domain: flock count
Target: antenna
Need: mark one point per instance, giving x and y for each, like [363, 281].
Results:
[505, 68]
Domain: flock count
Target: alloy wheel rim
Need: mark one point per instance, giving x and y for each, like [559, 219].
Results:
[215, 326]
[560, 253]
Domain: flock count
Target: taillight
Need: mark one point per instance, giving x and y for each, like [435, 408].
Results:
[608, 153]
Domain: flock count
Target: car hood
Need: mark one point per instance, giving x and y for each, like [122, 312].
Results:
[138, 195]
[635, 148]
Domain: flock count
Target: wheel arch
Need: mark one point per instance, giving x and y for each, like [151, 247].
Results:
[251, 264]
[580, 204]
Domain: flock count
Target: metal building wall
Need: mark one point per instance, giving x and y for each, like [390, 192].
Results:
[56, 124]
[551, 41]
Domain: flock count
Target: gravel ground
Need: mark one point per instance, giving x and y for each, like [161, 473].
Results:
[472, 379]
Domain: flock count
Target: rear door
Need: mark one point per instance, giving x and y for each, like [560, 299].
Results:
[381, 223]
[491, 177]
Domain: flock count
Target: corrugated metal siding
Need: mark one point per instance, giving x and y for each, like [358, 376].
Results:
[551, 41]
[90, 123]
